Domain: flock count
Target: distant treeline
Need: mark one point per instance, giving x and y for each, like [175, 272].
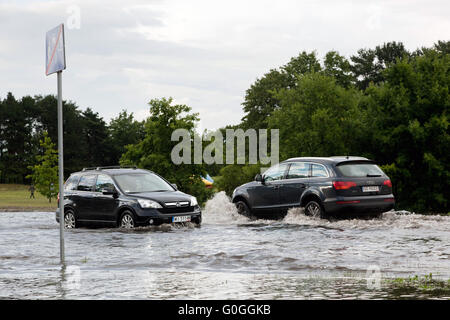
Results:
[88, 140]
[386, 103]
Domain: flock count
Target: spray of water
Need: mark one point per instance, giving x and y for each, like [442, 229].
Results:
[220, 210]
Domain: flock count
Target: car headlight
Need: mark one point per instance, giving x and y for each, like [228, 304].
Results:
[149, 204]
[194, 201]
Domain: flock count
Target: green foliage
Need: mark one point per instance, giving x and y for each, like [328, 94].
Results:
[410, 129]
[153, 152]
[124, 130]
[419, 284]
[339, 68]
[17, 145]
[317, 117]
[259, 99]
[369, 64]
[45, 172]
[234, 175]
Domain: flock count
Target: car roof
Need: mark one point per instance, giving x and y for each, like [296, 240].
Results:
[111, 170]
[329, 160]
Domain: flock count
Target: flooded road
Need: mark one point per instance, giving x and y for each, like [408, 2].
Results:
[229, 257]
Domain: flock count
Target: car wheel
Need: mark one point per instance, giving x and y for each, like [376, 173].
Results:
[197, 221]
[243, 209]
[127, 220]
[314, 209]
[69, 220]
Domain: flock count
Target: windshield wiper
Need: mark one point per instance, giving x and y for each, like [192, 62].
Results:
[373, 175]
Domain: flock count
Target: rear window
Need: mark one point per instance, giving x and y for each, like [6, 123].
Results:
[72, 182]
[359, 170]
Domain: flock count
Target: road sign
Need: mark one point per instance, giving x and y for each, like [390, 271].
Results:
[56, 62]
[55, 50]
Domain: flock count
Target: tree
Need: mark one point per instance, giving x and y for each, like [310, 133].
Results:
[338, 67]
[96, 138]
[153, 152]
[75, 147]
[369, 64]
[259, 100]
[318, 117]
[45, 172]
[410, 125]
[16, 139]
[124, 130]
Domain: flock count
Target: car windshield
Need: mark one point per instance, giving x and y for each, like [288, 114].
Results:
[142, 182]
[360, 170]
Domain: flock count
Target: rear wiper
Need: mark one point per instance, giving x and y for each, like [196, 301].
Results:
[373, 175]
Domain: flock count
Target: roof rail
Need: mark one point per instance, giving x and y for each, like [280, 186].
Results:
[109, 167]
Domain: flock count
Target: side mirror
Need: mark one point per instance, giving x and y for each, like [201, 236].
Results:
[174, 185]
[259, 178]
[109, 191]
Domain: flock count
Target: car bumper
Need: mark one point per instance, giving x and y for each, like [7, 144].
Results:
[360, 205]
[145, 216]
[154, 216]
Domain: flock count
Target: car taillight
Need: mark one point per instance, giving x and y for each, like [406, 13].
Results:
[388, 183]
[343, 185]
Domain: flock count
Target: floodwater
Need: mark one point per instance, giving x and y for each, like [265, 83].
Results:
[228, 257]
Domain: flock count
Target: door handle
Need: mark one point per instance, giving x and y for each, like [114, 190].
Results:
[276, 187]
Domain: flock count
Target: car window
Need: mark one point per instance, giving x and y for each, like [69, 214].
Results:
[142, 182]
[298, 170]
[360, 170]
[86, 183]
[275, 173]
[104, 182]
[72, 182]
[319, 171]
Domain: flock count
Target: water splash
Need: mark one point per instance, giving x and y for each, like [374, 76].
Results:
[391, 219]
[220, 210]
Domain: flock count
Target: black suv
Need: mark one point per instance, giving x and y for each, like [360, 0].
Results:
[125, 197]
[323, 186]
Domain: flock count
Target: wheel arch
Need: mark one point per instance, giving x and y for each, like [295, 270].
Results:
[308, 196]
[241, 198]
[121, 210]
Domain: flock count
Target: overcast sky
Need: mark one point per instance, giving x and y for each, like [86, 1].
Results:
[202, 53]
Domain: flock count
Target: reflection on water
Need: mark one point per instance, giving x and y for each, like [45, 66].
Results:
[229, 257]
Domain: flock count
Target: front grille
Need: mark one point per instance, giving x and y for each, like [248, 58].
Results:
[168, 210]
[177, 204]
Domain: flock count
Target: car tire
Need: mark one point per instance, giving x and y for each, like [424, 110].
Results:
[197, 221]
[243, 209]
[70, 221]
[127, 220]
[314, 209]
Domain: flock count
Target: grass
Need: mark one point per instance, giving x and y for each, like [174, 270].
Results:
[16, 197]
[417, 284]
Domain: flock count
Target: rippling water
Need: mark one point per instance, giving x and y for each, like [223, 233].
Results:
[229, 257]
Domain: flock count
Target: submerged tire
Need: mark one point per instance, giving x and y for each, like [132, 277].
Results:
[197, 221]
[127, 220]
[314, 209]
[243, 209]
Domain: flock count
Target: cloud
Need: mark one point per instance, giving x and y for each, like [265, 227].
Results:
[202, 53]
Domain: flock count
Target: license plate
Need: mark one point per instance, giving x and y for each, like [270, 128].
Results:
[181, 219]
[371, 189]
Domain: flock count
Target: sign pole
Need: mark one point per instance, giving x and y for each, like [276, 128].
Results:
[55, 61]
[60, 167]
